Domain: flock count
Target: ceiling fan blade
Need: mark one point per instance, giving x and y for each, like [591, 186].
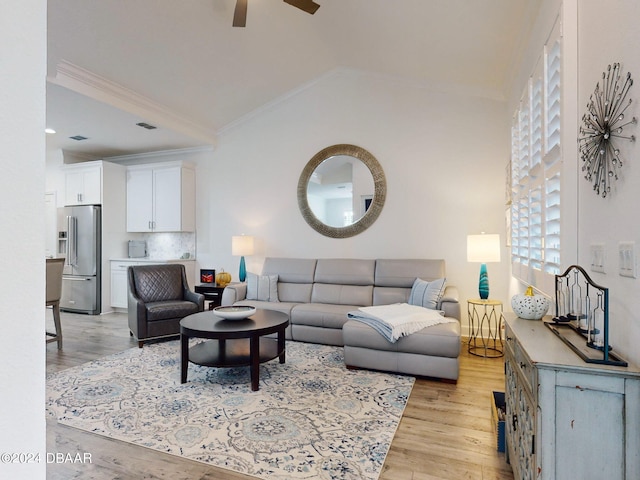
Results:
[308, 6]
[240, 14]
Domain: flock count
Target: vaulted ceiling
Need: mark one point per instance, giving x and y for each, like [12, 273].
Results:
[184, 57]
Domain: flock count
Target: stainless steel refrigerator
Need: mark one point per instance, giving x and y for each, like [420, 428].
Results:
[81, 284]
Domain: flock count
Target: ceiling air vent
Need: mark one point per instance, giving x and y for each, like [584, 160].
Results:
[146, 125]
[78, 138]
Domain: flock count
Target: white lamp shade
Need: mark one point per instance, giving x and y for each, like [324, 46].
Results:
[242, 245]
[483, 248]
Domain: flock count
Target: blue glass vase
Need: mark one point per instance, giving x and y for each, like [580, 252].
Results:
[483, 286]
[243, 270]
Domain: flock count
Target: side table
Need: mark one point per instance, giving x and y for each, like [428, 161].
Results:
[485, 313]
[212, 293]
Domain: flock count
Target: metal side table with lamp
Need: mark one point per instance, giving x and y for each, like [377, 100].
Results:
[483, 314]
[485, 317]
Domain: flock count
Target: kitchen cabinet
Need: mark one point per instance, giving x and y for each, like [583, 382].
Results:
[119, 286]
[83, 184]
[161, 198]
[119, 281]
[566, 418]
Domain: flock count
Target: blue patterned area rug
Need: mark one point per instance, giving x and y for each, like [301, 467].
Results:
[311, 419]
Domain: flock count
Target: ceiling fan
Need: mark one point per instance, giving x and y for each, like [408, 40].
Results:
[240, 13]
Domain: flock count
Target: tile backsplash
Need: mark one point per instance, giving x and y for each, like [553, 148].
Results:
[170, 245]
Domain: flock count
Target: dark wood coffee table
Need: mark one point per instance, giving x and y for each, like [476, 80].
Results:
[234, 343]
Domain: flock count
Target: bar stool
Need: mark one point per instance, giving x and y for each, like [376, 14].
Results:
[53, 294]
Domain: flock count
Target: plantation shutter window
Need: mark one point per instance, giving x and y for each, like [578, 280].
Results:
[536, 173]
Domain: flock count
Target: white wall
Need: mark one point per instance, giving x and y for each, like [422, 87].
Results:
[55, 174]
[607, 35]
[443, 154]
[22, 186]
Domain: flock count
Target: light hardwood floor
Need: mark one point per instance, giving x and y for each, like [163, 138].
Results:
[445, 433]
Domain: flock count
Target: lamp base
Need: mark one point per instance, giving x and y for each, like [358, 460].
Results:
[242, 274]
[483, 285]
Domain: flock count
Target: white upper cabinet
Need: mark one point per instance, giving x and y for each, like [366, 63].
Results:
[83, 184]
[139, 200]
[161, 198]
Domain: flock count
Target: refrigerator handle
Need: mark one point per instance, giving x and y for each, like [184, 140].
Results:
[72, 248]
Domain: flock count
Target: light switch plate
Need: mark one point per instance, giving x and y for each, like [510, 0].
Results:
[627, 259]
[597, 258]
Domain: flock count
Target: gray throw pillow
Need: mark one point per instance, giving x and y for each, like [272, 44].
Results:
[427, 294]
[262, 287]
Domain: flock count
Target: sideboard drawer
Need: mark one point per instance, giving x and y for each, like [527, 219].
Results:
[521, 362]
[526, 369]
[510, 339]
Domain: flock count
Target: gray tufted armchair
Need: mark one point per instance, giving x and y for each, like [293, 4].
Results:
[159, 297]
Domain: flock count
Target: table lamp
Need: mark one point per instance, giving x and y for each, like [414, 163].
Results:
[242, 245]
[483, 248]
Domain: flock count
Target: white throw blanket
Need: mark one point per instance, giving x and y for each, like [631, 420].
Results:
[398, 319]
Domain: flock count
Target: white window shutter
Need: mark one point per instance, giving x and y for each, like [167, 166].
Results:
[535, 171]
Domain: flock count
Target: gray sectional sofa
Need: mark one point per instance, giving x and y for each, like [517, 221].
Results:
[317, 294]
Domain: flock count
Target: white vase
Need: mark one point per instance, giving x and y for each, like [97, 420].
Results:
[530, 306]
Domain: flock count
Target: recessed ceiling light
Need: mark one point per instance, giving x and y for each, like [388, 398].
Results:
[49, 130]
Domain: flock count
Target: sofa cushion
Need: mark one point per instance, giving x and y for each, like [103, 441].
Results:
[427, 294]
[321, 315]
[342, 294]
[167, 309]
[290, 270]
[294, 292]
[345, 271]
[442, 340]
[262, 287]
[388, 295]
[403, 272]
[295, 277]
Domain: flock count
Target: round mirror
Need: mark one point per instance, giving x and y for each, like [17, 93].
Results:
[341, 191]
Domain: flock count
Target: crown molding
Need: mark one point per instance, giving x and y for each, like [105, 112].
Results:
[147, 157]
[71, 157]
[84, 82]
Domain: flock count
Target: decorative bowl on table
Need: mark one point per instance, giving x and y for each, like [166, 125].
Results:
[234, 312]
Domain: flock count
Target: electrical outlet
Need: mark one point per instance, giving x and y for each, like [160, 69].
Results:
[597, 258]
[627, 259]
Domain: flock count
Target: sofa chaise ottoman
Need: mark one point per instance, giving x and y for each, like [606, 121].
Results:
[317, 294]
[430, 352]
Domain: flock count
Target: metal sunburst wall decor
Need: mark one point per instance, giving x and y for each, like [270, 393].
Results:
[602, 124]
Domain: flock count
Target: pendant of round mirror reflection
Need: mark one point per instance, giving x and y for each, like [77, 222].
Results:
[603, 127]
